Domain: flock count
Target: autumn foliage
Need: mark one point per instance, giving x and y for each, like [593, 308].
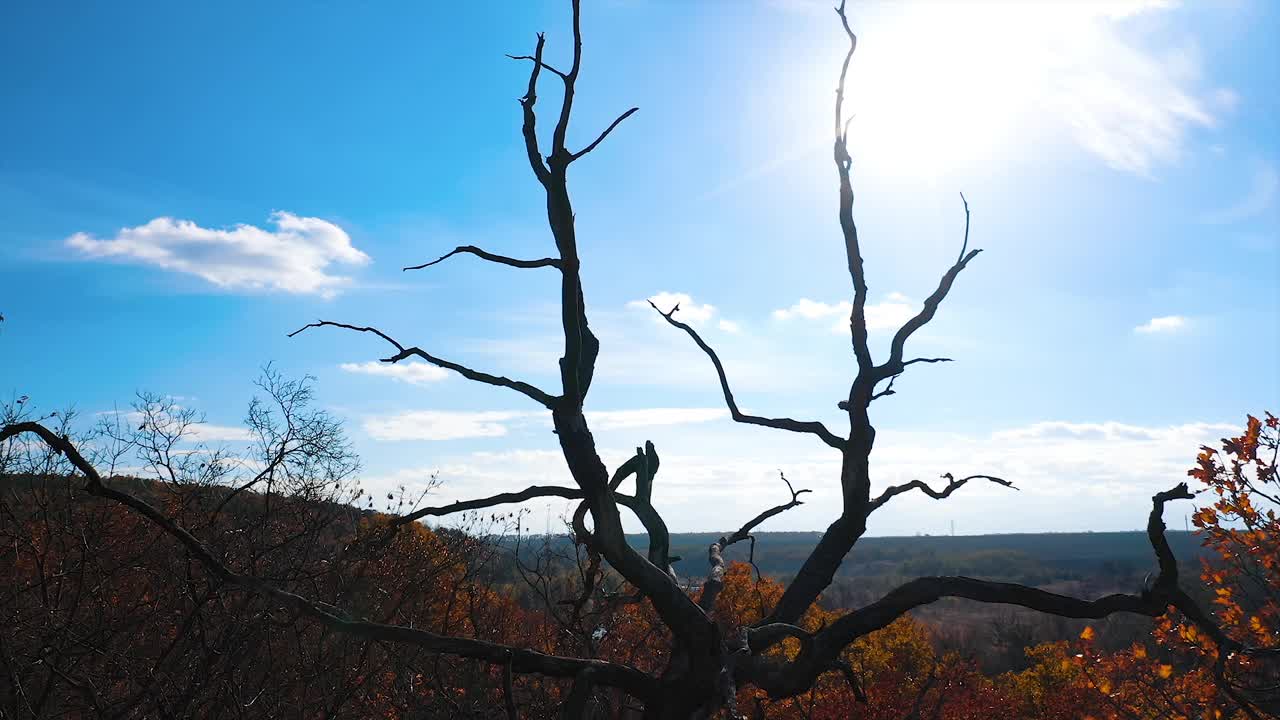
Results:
[103, 615]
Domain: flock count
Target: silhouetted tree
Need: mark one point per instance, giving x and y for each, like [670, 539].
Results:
[704, 665]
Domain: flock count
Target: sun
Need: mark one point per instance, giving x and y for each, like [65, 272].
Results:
[937, 89]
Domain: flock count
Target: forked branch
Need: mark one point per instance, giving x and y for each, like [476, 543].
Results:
[715, 552]
[538, 60]
[895, 364]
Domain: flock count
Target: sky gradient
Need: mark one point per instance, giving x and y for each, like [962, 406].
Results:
[182, 186]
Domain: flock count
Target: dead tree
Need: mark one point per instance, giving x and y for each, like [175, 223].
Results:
[704, 667]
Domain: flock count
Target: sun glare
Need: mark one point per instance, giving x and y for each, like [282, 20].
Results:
[941, 87]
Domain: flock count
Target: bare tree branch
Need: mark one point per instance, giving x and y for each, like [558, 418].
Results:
[558, 150]
[540, 396]
[926, 360]
[811, 427]
[715, 578]
[545, 66]
[528, 493]
[783, 681]
[965, 246]
[853, 252]
[491, 257]
[894, 364]
[603, 135]
[852, 679]
[529, 128]
[953, 484]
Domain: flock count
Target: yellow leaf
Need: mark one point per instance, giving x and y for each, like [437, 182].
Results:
[1087, 634]
[1166, 671]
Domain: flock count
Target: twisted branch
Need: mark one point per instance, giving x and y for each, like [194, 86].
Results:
[542, 397]
[811, 427]
[953, 484]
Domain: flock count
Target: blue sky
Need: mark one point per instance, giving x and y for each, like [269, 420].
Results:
[181, 186]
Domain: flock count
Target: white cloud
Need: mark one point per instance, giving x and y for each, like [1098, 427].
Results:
[1058, 431]
[414, 373]
[690, 311]
[441, 424]
[204, 432]
[1260, 198]
[888, 314]
[812, 310]
[620, 419]
[1166, 324]
[457, 425]
[1071, 476]
[196, 432]
[293, 258]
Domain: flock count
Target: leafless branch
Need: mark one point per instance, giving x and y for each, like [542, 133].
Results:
[491, 257]
[528, 493]
[715, 557]
[558, 150]
[953, 484]
[926, 360]
[895, 364]
[811, 427]
[540, 396]
[545, 66]
[851, 678]
[965, 246]
[604, 134]
[529, 128]
[828, 643]
[853, 251]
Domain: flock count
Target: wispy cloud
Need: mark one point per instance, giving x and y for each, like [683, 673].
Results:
[441, 424]
[457, 425]
[888, 314]
[196, 432]
[1072, 476]
[648, 417]
[294, 257]
[414, 373]
[1166, 324]
[1259, 199]
[691, 312]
